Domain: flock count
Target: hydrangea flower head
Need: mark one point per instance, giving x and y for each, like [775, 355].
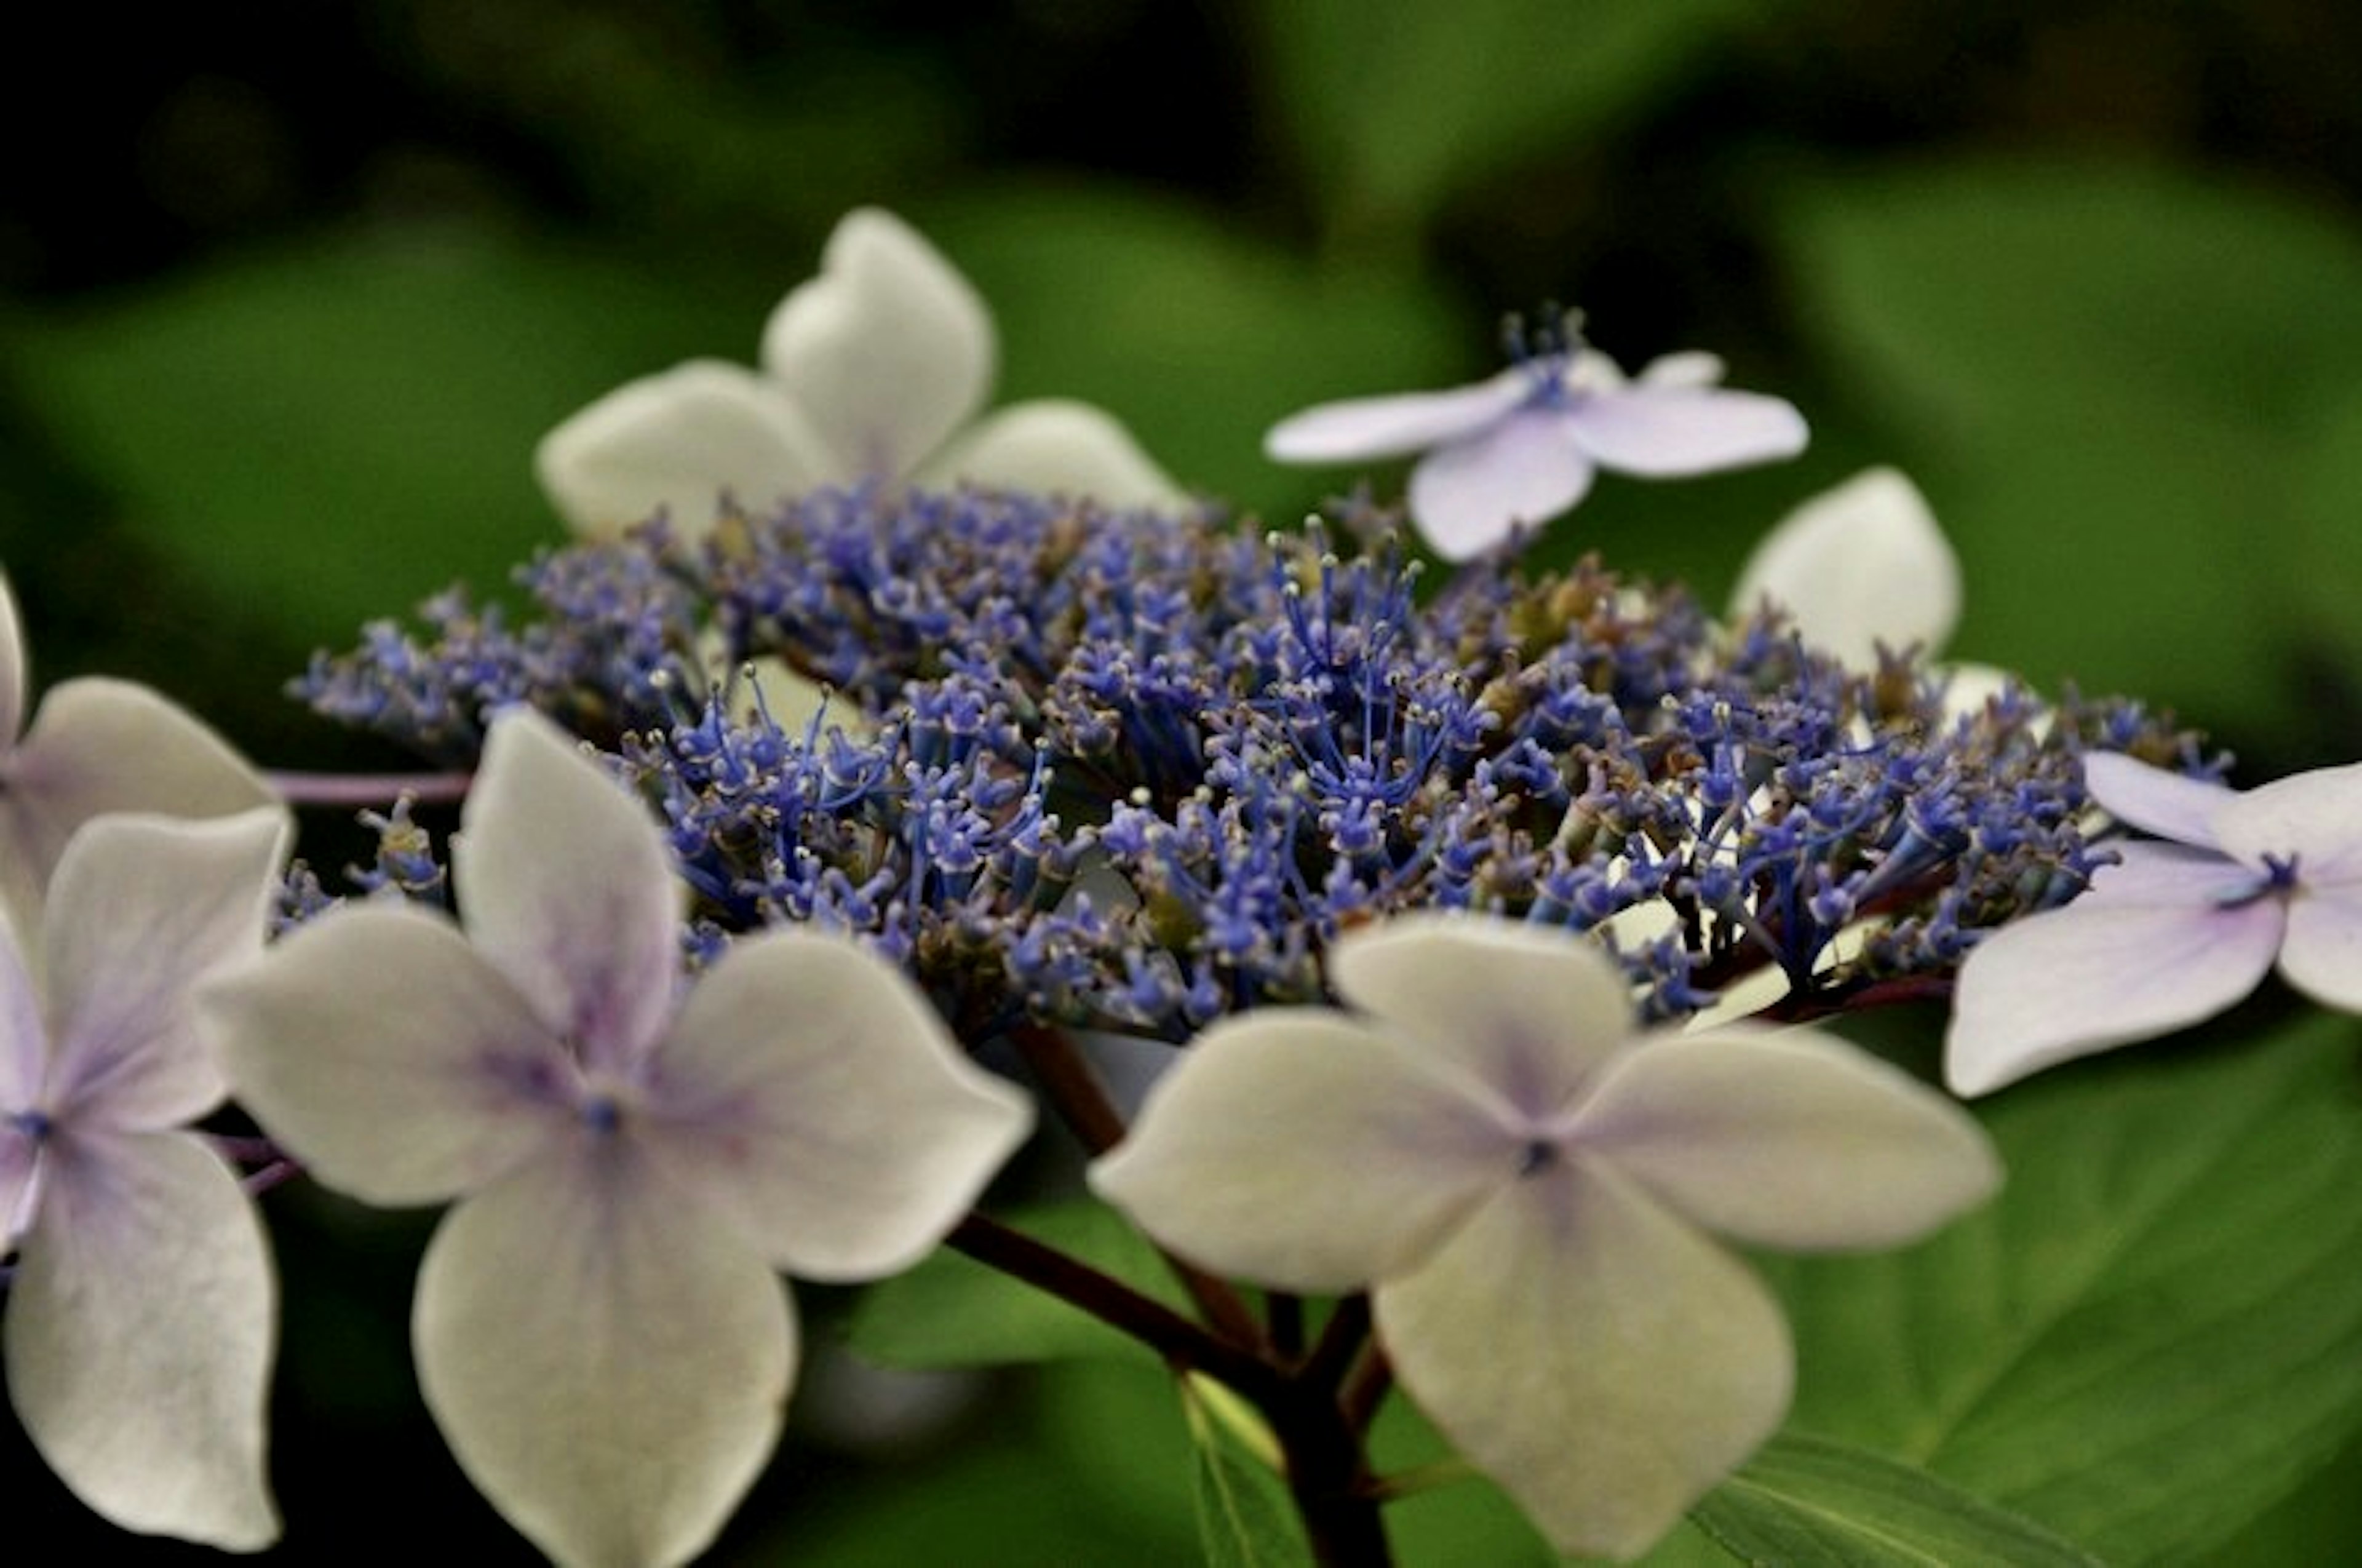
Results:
[1526, 1188]
[2178, 930]
[599, 1328]
[1522, 447]
[142, 1316]
[97, 745]
[870, 371]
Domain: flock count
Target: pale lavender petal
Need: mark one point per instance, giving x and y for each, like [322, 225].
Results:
[2170, 805]
[1298, 1148]
[2108, 969]
[139, 1333]
[1366, 429]
[808, 1089]
[23, 1034]
[2322, 953]
[1600, 1358]
[887, 351]
[1054, 447]
[1857, 566]
[606, 1358]
[1521, 1015]
[14, 670]
[2314, 817]
[564, 884]
[99, 746]
[380, 1049]
[142, 910]
[20, 1175]
[1793, 1140]
[1672, 432]
[677, 442]
[1467, 497]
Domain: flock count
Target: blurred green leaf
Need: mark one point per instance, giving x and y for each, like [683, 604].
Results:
[2108, 377]
[1393, 104]
[2155, 1334]
[1245, 1516]
[1198, 338]
[338, 431]
[953, 1311]
[1808, 1503]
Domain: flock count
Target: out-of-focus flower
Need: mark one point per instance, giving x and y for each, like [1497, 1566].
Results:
[599, 1328]
[2174, 931]
[1521, 447]
[97, 745]
[871, 371]
[1857, 566]
[1525, 1187]
[141, 1317]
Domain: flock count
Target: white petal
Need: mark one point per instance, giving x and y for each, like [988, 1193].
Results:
[675, 443]
[2315, 816]
[1857, 566]
[810, 1089]
[1366, 429]
[1054, 446]
[1793, 1140]
[13, 672]
[2124, 962]
[2169, 804]
[1298, 1148]
[1466, 497]
[99, 746]
[379, 1049]
[887, 351]
[1673, 432]
[1520, 1013]
[2322, 953]
[564, 883]
[24, 1035]
[1603, 1361]
[139, 1333]
[605, 1358]
[141, 909]
[1691, 368]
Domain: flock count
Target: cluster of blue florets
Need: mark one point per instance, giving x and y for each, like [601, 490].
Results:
[1136, 771]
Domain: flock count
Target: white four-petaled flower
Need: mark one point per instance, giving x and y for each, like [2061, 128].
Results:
[871, 370]
[599, 1328]
[2177, 931]
[141, 1319]
[1525, 1187]
[1522, 447]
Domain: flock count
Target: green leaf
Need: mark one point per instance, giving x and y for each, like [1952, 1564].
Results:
[1245, 1518]
[953, 1311]
[1806, 1502]
[2155, 1334]
[2108, 377]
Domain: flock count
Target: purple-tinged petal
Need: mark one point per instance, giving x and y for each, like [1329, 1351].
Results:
[20, 1173]
[887, 351]
[2170, 805]
[24, 1033]
[100, 745]
[1368, 430]
[675, 443]
[1054, 447]
[2322, 953]
[139, 1332]
[1298, 1148]
[564, 884]
[381, 1050]
[2315, 818]
[1857, 566]
[1600, 1358]
[605, 1356]
[141, 910]
[1793, 1140]
[1670, 432]
[2151, 947]
[1466, 497]
[810, 1089]
[1521, 1016]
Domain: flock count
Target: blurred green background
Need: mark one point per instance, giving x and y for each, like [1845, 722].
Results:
[288, 290]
